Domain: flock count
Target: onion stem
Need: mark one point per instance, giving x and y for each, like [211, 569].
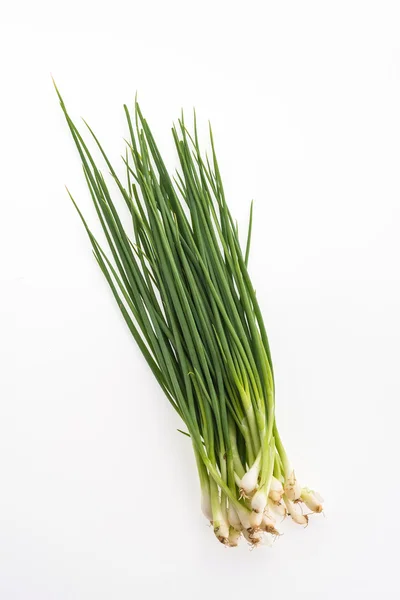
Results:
[174, 262]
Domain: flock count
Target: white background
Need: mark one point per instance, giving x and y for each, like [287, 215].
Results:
[98, 492]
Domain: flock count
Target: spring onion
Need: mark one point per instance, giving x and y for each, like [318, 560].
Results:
[180, 278]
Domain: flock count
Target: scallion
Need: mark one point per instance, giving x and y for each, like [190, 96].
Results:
[180, 278]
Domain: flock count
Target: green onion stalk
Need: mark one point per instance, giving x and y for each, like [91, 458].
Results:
[180, 278]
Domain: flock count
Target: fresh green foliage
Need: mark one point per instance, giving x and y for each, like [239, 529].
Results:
[180, 278]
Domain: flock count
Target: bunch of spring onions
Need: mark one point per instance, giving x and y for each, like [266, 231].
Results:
[180, 278]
